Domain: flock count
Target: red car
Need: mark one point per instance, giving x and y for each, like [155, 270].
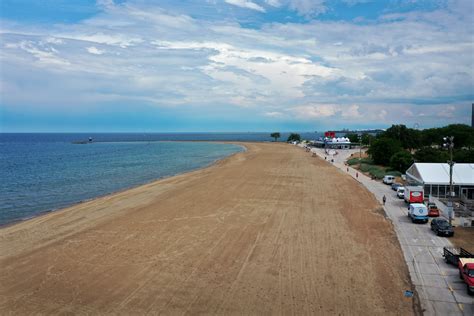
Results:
[433, 211]
[466, 273]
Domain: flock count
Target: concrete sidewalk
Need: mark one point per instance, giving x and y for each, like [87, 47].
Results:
[438, 285]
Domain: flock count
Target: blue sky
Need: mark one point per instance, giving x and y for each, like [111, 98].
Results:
[234, 65]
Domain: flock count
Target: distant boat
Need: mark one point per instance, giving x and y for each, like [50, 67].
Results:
[83, 141]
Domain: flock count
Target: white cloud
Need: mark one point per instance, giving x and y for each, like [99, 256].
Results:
[273, 114]
[382, 115]
[246, 4]
[94, 50]
[317, 111]
[308, 7]
[352, 112]
[106, 4]
[354, 2]
[273, 3]
[375, 72]
[447, 112]
[121, 40]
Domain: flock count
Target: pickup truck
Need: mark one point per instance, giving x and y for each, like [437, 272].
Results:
[464, 260]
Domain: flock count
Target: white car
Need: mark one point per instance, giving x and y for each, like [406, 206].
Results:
[401, 192]
[388, 179]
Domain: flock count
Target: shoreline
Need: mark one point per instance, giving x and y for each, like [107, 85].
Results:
[59, 209]
[255, 233]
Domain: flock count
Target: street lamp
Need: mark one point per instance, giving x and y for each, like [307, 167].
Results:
[360, 149]
[449, 143]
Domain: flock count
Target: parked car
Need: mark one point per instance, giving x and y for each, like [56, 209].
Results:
[441, 227]
[465, 262]
[388, 179]
[396, 185]
[418, 212]
[401, 192]
[466, 273]
[433, 210]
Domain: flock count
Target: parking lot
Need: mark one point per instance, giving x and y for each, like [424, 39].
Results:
[440, 290]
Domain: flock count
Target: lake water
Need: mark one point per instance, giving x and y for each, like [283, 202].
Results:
[43, 172]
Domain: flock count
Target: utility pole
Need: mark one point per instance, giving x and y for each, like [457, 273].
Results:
[449, 143]
[360, 149]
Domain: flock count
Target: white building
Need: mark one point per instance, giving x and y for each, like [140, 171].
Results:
[434, 177]
[335, 143]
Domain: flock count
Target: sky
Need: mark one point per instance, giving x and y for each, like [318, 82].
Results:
[234, 65]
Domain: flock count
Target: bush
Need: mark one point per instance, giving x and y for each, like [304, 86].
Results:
[401, 161]
[375, 171]
[355, 161]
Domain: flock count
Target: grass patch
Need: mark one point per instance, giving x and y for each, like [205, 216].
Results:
[355, 161]
[375, 171]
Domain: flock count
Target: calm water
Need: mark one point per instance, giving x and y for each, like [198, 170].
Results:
[43, 172]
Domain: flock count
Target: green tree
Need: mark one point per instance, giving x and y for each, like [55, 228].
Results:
[401, 161]
[383, 149]
[463, 135]
[463, 156]
[354, 138]
[409, 138]
[367, 139]
[275, 135]
[429, 154]
[294, 137]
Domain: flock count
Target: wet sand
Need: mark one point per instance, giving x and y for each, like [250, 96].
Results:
[268, 231]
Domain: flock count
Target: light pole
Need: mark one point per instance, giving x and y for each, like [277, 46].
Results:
[449, 143]
[360, 149]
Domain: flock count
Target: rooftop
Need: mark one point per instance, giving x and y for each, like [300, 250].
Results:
[438, 173]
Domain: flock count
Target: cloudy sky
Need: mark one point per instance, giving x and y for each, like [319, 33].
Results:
[234, 65]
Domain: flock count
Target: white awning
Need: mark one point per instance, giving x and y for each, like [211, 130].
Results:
[438, 173]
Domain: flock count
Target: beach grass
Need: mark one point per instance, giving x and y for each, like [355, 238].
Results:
[367, 166]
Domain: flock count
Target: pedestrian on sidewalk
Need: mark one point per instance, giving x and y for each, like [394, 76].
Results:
[347, 169]
[357, 175]
[384, 199]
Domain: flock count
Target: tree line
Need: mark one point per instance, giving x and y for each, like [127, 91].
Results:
[400, 146]
[293, 137]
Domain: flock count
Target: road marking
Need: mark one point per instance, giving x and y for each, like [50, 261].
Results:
[450, 288]
[461, 307]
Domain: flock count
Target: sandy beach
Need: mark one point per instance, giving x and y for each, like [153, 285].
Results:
[268, 231]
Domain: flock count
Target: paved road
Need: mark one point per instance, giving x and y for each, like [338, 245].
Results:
[440, 290]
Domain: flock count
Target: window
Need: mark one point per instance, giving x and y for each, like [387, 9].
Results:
[456, 190]
[427, 188]
[442, 191]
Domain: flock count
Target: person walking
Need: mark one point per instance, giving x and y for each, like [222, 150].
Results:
[384, 199]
